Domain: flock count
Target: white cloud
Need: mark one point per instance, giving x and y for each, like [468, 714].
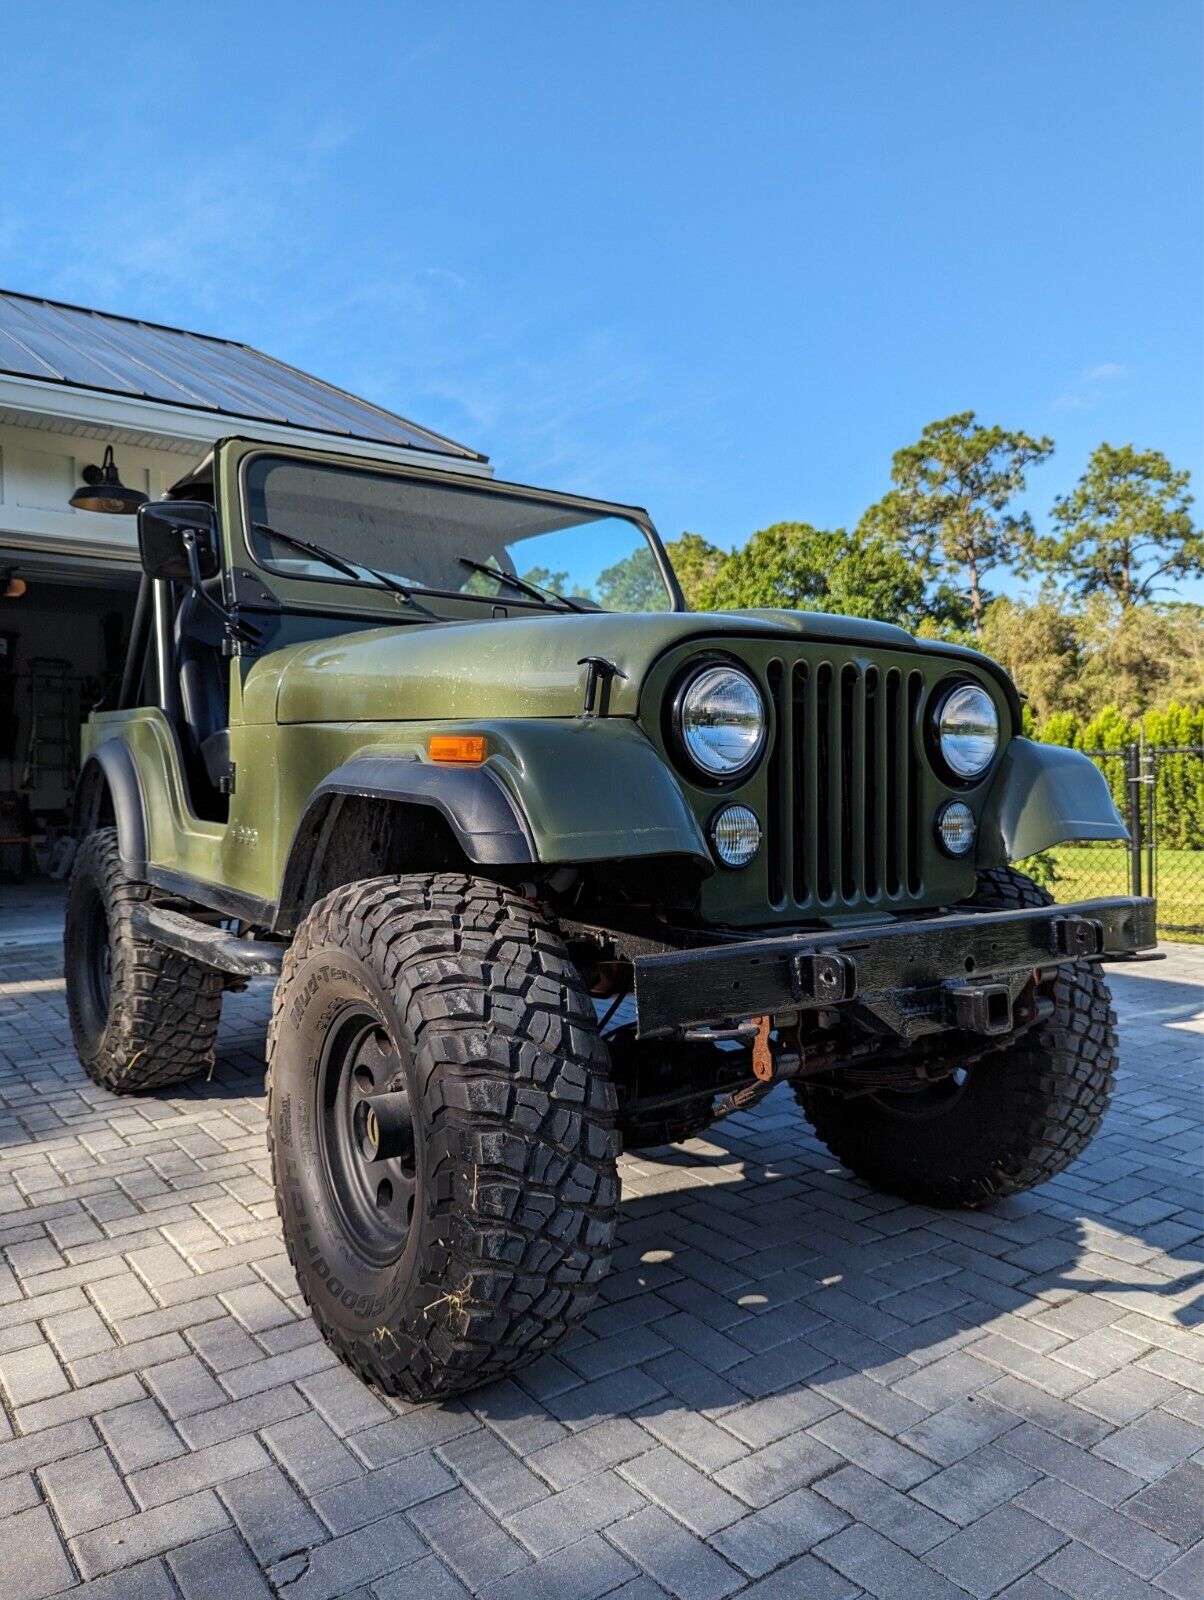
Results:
[1086, 393]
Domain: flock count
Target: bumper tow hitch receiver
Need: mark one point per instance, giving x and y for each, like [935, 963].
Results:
[981, 1007]
[1077, 936]
[824, 977]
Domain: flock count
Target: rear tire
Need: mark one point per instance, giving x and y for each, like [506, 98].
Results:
[446, 1007]
[1024, 1112]
[142, 1017]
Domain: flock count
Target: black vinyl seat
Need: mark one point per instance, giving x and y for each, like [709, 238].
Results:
[204, 684]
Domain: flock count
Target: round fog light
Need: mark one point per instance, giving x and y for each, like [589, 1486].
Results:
[955, 827]
[735, 835]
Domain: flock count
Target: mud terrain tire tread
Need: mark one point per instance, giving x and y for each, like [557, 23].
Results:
[163, 1017]
[1034, 1113]
[518, 1113]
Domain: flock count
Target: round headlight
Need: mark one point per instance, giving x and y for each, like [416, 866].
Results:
[968, 730]
[735, 835]
[955, 827]
[721, 721]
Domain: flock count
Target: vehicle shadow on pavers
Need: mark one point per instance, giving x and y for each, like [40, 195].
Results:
[777, 1350]
[772, 1263]
[751, 1269]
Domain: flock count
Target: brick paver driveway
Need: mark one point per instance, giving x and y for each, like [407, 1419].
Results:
[792, 1386]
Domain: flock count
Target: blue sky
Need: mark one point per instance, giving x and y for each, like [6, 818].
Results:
[720, 259]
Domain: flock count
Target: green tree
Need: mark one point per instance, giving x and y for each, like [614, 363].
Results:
[783, 567]
[696, 561]
[793, 566]
[949, 505]
[1134, 657]
[633, 584]
[1178, 779]
[1125, 529]
[1079, 659]
[1039, 644]
[545, 578]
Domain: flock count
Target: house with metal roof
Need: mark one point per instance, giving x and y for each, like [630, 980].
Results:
[74, 385]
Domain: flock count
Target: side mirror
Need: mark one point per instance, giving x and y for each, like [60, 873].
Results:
[162, 527]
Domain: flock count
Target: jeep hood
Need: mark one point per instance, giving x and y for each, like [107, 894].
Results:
[519, 667]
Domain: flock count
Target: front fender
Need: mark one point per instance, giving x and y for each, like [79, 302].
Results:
[1042, 795]
[594, 789]
[555, 792]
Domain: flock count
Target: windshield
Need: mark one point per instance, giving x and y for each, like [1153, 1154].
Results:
[437, 536]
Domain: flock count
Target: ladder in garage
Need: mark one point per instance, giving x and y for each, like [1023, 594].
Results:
[50, 754]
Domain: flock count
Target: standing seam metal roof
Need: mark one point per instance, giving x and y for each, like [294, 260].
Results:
[57, 343]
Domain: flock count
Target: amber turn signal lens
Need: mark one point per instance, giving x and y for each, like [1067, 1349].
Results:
[466, 748]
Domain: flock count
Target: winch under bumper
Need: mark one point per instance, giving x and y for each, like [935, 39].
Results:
[923, 975]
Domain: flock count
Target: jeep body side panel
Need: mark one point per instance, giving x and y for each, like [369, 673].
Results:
[570, 791]
[1044, 795]
[151, 761]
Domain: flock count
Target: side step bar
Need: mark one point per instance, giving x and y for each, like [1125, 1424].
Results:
[212, 947]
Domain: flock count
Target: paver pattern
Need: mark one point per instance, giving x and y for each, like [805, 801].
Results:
[791, 1387]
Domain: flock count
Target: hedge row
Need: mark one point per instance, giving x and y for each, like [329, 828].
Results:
[1178, 778]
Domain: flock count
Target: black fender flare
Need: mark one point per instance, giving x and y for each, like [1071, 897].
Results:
[483, 816]
[112, 767]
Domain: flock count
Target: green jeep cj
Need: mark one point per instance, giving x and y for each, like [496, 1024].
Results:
[547, 866]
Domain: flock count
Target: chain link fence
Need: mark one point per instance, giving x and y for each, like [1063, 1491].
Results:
[1159, 790]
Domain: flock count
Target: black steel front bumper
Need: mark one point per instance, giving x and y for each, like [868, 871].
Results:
[962, 970]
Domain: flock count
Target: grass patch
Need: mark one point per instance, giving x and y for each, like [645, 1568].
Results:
[1090, 871]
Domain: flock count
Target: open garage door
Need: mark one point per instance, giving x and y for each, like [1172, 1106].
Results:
[64, 624]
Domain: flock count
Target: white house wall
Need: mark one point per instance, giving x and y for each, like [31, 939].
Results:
[39, 470]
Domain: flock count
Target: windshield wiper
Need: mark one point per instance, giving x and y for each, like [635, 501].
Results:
[534, 590]
[351, 569]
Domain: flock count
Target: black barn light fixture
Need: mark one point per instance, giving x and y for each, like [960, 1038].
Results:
[103, 490]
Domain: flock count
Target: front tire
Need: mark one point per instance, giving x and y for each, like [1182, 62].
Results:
[1022, 1113]
[142, 1017]
[442, 1129]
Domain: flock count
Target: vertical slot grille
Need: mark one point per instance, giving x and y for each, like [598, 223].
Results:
[825, 813]
[915, 687]
[874, 800]
[890, 786]
[780, 760]
[845, 799]
[847, 786]
[803, 774]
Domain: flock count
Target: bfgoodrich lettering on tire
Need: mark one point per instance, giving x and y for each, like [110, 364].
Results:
[1015, 1118]
[442, 1127]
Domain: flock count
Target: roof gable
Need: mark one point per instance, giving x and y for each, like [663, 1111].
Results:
[51, 342]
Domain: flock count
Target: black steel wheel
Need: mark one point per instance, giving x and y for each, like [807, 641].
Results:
[1017, 1116]
[141, 1017]
[442, 1130]
[366, 1133]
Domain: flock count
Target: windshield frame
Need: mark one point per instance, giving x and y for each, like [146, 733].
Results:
[502, 603]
